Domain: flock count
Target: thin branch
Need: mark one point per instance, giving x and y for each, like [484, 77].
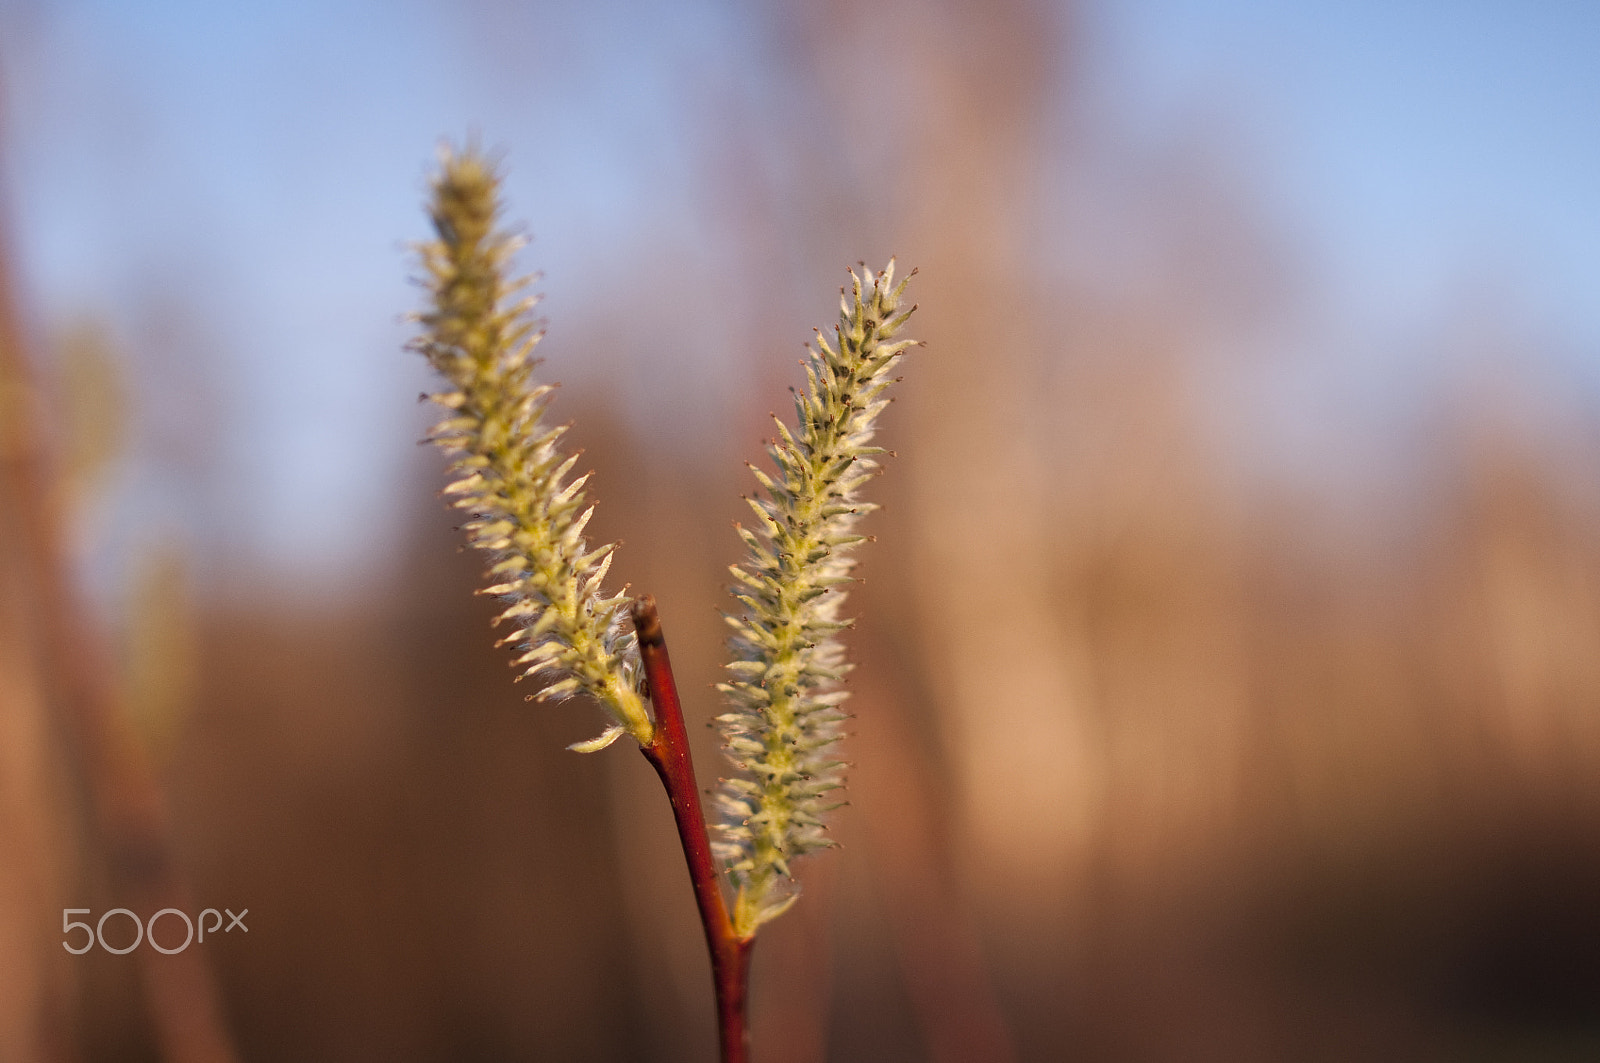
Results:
[668, 753]
[125, 801]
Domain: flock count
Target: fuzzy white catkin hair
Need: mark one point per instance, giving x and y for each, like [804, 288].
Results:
[506, 470]
[787, 659]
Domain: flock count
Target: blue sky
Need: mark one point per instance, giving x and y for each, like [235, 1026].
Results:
[1432, 170]
[1400, 141]
[236, 182]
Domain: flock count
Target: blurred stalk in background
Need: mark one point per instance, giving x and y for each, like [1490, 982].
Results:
[64, 693]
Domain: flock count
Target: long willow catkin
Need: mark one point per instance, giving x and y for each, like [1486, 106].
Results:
[787, 657]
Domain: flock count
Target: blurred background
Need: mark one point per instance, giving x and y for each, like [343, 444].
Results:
[1229, 679]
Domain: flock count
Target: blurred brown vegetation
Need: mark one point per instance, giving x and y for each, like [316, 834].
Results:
[1150, 764]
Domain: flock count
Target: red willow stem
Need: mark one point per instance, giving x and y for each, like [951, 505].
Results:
[668, 753]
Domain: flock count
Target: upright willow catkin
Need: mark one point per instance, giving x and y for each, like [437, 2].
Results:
[788, 660]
